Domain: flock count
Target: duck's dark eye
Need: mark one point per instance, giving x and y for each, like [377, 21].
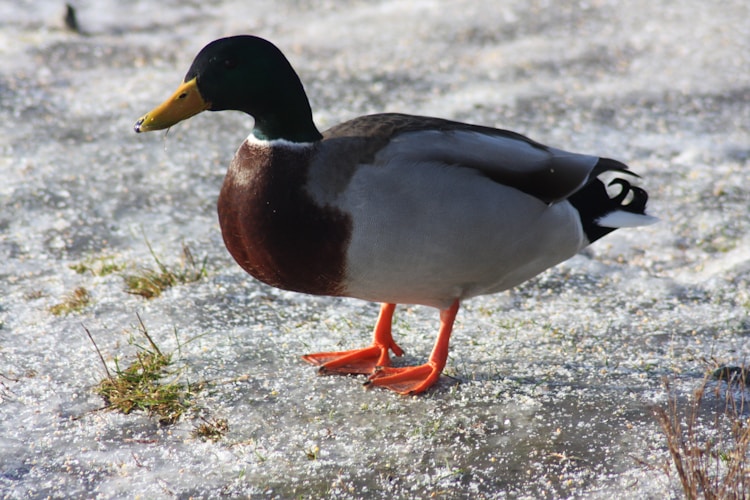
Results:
[230, 63]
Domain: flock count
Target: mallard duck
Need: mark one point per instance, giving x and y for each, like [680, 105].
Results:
[390, 208]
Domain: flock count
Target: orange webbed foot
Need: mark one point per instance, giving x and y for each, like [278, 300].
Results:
[374, 360]
[356, 361]
[406, 380]
[362, 361]
[417, 379]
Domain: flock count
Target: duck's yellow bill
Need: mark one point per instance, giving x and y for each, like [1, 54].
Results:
[184, 103]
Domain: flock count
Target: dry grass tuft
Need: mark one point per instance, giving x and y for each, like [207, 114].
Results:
[141, 386]
[150, 283]
[75, 301]
[709, 444]
[211, 429]
[98, 266]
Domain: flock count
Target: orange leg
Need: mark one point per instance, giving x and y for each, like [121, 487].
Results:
[362, 361]
[416, 379]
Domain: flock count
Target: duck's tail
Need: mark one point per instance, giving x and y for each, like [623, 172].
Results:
[602, 214]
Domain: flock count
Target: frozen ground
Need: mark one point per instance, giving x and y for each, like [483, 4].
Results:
[550, 386]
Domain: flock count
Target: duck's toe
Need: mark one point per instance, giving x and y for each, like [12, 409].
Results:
[356, 361]
[406, 380]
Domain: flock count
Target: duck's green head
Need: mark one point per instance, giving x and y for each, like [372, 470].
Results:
[243, 73]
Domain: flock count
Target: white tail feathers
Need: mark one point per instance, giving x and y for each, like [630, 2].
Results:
[621, 218]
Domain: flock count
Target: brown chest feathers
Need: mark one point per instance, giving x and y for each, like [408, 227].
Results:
[272, 227]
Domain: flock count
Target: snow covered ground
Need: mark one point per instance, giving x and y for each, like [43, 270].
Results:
[549, 388]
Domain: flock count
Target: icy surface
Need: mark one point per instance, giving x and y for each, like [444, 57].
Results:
[549, 387]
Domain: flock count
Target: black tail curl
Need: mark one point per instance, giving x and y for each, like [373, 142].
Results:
[637, 204]
[593, 201]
